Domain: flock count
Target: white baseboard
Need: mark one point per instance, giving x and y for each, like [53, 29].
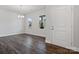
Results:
[48, 41]
[36, 34]
[72, 48]
[3, 35]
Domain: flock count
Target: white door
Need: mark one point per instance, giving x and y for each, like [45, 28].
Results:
[59, 23]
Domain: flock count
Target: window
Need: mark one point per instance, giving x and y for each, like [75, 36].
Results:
[29, 22]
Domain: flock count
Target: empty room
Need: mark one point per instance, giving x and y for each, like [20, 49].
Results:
[39, 29]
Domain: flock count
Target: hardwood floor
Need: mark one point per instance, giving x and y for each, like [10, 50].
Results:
[28, 44]
[51, 48]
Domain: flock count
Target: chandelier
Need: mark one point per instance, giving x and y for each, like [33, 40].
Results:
[20, 9]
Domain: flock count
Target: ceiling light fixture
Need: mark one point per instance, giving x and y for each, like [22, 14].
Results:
[20, 9]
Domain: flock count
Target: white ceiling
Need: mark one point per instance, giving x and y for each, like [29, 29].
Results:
[23, 9]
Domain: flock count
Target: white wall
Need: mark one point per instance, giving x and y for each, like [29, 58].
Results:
[76, 26]
[68, 16]
[72, 26]
[61, 18]
[56, 15]
[9, 23]
[35, 29]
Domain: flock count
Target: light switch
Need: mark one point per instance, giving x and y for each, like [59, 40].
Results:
[52, 27]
